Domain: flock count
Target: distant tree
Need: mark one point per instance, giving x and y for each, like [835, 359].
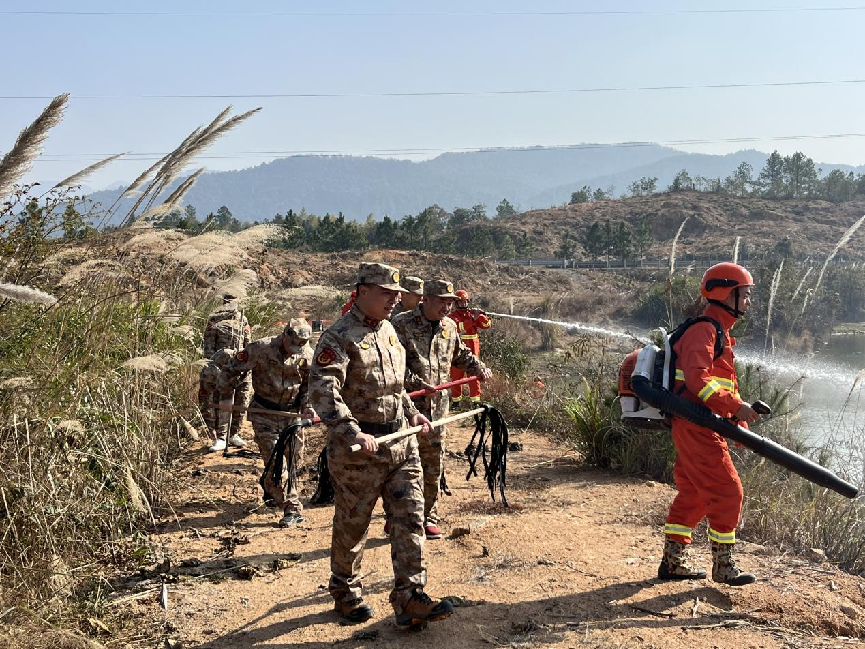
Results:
[479, 212]
[594, 240]
[682, 182]
[645, 186]
[525, 246]
[739, 182]
[838, 186]
[784, 248]
[190, 212]
[505, 209]
[649, 185]
[384, 233]
[429, 225]
[583, 195]
[800, 175]
[477, 243]
[771, 178]
[643, 238]
[224, 219]
[622, 241]
[601, 195]
[507, 249]
[568, 247]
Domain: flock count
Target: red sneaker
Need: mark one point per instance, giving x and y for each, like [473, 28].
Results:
[432, 531]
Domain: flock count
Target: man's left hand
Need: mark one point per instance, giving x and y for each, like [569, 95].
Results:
[308, 413]
[420, 420]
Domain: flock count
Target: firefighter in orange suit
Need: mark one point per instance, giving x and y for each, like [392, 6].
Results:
[706, 479]
[347, 306]
[469, 322]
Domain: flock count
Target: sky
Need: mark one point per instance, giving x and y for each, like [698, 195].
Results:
[114, 57]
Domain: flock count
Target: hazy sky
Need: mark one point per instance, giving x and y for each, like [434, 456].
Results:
[216, 47]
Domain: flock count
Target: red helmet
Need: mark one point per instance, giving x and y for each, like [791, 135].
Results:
[462, 295]
[722, 278]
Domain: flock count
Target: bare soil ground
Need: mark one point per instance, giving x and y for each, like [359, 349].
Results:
[570, 563]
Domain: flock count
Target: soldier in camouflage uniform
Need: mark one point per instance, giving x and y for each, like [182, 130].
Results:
[411, 295]
[432, 343]
[280, 371]
[227, 328]
[356, 385]
[217, 422]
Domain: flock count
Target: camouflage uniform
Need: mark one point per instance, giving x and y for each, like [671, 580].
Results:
[279, 382]
[356, 385]
[209, 397]
[413, 285]
[227, 328]
[431, 348]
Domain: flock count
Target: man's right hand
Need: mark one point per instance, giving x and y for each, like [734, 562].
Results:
[368, 443]
[746, 413]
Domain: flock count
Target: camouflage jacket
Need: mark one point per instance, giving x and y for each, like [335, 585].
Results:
[431, 349]
[357, 375]
[278, 376]
[227, 328]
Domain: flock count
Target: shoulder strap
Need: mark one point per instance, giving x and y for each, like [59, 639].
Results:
[679, 331]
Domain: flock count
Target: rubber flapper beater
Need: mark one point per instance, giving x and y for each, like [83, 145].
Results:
[668, 402]
[324, 489]
[490, 436]
[275, 463]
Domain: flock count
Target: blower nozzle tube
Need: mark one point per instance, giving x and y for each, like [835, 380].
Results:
[668, 402]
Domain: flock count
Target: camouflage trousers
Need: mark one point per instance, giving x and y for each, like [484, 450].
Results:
[432, 457]
[217, 420]
[395, 474]
[284, 494]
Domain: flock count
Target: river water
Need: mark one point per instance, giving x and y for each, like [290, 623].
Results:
[822, 387]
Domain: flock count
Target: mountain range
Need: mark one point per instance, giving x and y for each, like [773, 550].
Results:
[529, 178]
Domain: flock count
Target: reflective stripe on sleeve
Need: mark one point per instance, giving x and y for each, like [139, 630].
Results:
[678, 530]
[722, 537]
[708, 390]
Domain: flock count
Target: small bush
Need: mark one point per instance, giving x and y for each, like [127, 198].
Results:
[504, 354]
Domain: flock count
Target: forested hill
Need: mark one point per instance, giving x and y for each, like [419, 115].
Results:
[358, 186]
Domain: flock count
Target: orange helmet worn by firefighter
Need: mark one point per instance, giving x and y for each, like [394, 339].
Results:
[722, 279]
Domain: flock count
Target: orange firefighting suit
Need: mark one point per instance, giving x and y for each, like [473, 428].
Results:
[706, 479]
[468, 325]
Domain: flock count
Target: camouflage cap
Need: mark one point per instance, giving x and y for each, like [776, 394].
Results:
[438, 288]
[222, 356]
[298, 328]
[412, 284]
[380, 275]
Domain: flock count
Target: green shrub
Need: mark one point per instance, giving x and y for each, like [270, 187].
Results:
[504, 354]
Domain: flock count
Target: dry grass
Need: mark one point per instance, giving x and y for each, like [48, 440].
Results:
[27, 294]
[92, 269]
[79, 176]
[239, 284]
[27, 147]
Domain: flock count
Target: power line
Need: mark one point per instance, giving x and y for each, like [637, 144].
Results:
[464, 93]
[425, 14]
[240, 155]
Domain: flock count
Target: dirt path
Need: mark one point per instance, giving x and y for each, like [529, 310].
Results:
[571, 563]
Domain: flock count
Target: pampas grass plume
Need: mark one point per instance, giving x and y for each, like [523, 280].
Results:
[27, 147]
[76, 178]
[28, 294]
